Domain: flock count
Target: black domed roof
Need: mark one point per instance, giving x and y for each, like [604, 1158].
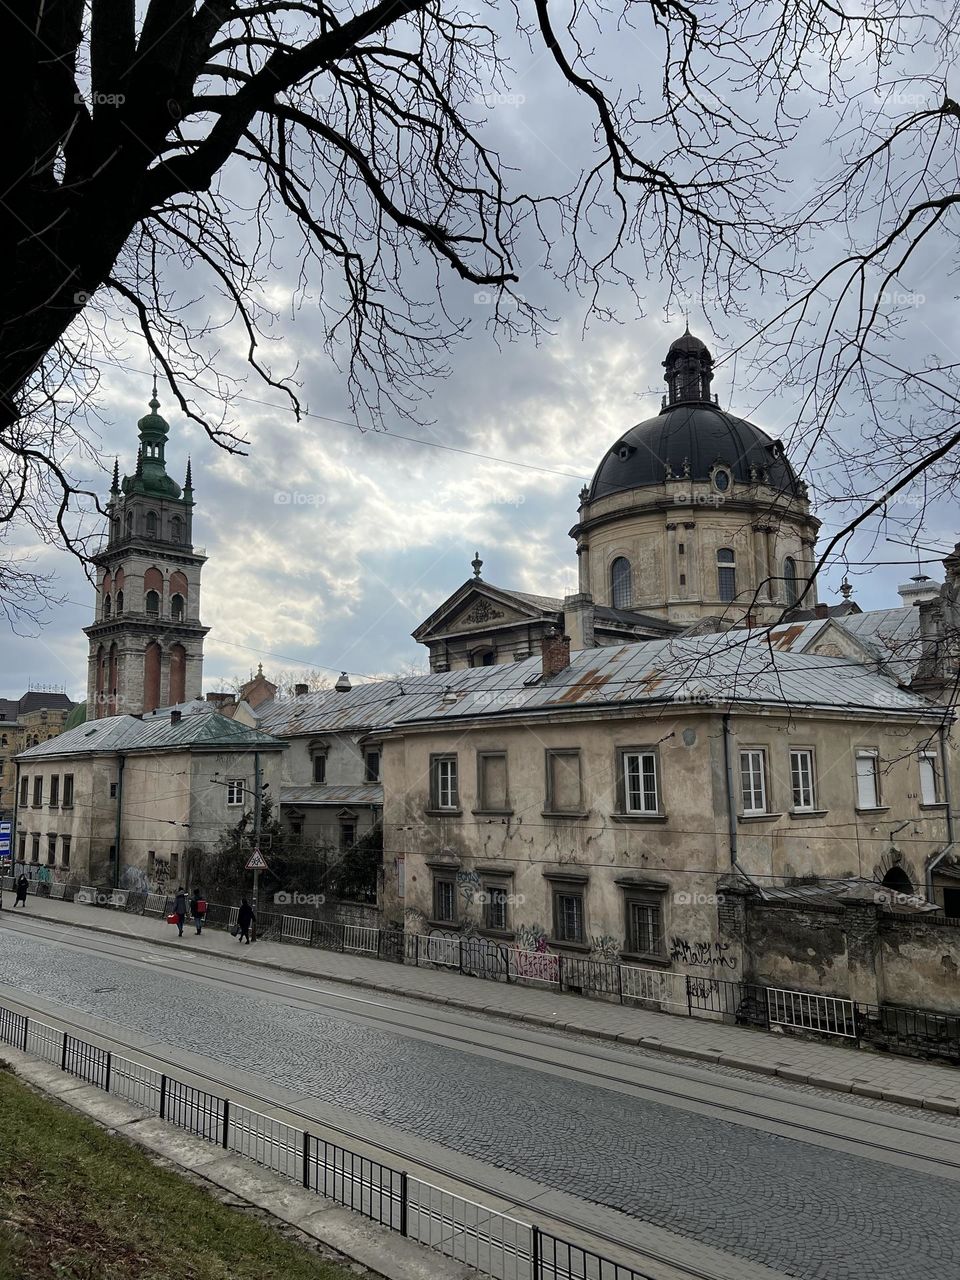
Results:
[687, 342]
[697, 435]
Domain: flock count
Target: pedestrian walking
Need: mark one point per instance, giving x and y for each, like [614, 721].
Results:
[21, 898]
[245, 918]
[198, 909]
[180, 909]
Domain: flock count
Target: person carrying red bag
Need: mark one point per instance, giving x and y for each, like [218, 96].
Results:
[198, 909]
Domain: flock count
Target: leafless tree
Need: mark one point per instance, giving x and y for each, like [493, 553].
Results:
[363, 131]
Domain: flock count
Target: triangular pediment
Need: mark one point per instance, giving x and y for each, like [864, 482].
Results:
[477, 605]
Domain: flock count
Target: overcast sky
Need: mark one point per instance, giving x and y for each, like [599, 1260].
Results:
[327, 546]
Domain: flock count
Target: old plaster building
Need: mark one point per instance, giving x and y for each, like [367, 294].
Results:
[146, 643]
[693, 516]
[123, 800]
[40, 714]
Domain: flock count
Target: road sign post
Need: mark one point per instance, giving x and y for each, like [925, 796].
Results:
[256, 863]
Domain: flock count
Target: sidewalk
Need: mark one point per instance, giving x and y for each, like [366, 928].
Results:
[907, 1081]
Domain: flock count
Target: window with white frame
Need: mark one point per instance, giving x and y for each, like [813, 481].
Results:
[641, 787]
[929, 778]
[868, 780]
[234, 791]
[753, 780]
[444, 788]
[726, 574]
[802, 778]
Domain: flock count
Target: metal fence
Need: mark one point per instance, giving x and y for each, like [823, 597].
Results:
[913, 1031]
[496, 1244]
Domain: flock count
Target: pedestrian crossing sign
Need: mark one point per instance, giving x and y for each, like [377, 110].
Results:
[256, 862]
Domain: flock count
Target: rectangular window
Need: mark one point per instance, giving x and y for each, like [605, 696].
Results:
[37, 792]
[22, 848]
[67, 791]
[113, 791]
[319, 769]
[51, 850]
[444, 790]
[929, 779]
[868, 780]
[568, 915]
[371, 766]
[348, 836]
[35, 848]
[495, 907]
[24, 790]
[492, 781]
[753, 780]
[234, 791]
[444, 900]
[802, 778]
[54, 791]
[401, 865]
[641, 792]
[564, 789]
[65, 851]
[644, 927]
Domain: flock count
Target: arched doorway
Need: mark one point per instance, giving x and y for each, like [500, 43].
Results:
[898, 880]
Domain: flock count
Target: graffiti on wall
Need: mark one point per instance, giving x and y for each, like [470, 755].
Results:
[605, 947]
[704, 954]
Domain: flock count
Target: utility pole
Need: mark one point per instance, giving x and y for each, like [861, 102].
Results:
[257, 804]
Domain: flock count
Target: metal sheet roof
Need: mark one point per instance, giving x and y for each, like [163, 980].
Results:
[894, 634]
[129, 733]
[364, 793]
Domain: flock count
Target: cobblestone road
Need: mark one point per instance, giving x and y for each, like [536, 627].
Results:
[798, 1208]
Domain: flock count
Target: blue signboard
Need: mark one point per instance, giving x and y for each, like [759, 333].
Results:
[5, 837]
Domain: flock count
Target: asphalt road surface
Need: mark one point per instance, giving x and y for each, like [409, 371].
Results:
[606, 1126]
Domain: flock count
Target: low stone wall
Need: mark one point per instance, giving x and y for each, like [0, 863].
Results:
[920, 962]
[801, 949]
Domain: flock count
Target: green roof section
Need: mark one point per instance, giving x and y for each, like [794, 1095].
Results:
[150, 477]
[77, 716]
[131, 734]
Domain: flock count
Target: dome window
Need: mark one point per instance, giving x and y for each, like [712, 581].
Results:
[721, 479]
[621, 583]
[625, 451]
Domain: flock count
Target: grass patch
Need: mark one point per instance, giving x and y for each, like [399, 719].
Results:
[77, 1203]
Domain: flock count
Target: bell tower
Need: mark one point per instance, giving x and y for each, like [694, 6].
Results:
[146, 643]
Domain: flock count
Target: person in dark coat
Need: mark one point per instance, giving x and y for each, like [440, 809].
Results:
[180, 910]
[245, 919]
[198, 909]
[21, 898]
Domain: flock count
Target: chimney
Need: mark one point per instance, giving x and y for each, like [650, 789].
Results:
[220, 700]
[176, 716]
[555, 650]
[300, 690]
[750, 621]
[343, 685]
[821, 611]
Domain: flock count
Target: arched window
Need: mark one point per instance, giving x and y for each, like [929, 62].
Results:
[897, 880]
[129, 524]
[621, 583]
[790, 580]
[106, 606]
[726, 574]
[119, 603]
[150, 524]
[177, 608]
[176, 529]
[153, 604]
[178, 674]
[483, 658]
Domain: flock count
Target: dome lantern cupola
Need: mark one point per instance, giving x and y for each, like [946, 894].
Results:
[689, 372]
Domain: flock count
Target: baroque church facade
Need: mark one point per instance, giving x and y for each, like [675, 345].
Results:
[694, 518]
[146, 643]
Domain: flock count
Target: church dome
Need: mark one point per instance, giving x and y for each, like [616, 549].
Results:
[691, 437]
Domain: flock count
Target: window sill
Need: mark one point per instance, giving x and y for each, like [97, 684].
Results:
[798, 814]
[934, 804]
[758, 817]
[504, 935]
[452, 925]
[632, 957]
[552, 813]
[67, 806]
[582, 948]
[638, 817]
[492, 813]
[875, 808]
[443, 813]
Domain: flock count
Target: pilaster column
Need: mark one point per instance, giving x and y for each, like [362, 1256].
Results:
[775, 587]
[761, 570]
[690, 563]
[672, 576]
[583, 567]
